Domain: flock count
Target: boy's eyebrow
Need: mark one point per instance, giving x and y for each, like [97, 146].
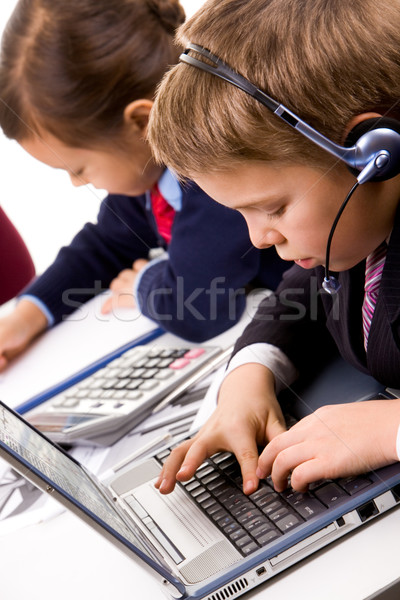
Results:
[260, 202]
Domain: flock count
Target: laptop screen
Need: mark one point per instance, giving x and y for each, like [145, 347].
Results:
[40, 456]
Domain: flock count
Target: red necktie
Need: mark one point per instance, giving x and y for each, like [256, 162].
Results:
[163, 213]
[373, 273]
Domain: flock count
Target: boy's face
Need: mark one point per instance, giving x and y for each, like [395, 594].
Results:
[293, 208]
[117, 171]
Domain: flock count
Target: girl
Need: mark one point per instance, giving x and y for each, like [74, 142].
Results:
[77, 81]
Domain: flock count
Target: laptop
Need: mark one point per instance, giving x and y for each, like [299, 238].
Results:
[205, 540]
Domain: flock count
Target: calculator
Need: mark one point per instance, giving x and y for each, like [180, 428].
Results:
[104, 406]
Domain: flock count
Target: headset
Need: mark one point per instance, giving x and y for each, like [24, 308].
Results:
[371, 150]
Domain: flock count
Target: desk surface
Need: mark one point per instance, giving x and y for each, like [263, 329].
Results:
[64, 558]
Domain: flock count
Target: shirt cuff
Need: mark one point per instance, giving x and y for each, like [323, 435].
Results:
[41, 306]
[398, 444]
[149, 265]
[271, 357]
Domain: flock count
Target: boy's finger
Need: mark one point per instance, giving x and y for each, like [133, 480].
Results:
[247, 456]
[167, 479]
[195, 456]
[275, 425]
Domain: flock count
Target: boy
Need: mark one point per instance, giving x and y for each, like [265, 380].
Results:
[335, 64]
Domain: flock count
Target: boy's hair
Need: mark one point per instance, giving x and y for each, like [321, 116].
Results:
[326, 60]
[71, 67]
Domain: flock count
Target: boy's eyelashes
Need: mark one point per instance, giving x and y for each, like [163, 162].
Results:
[273, 214]
[276, 213]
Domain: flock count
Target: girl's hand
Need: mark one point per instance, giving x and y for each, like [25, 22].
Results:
[335, 441]
[122, 288]
[247, 415]
[18, 330]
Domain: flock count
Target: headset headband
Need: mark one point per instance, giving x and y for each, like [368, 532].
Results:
[369, 155]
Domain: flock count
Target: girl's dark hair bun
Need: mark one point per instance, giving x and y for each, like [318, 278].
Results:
[170, 13]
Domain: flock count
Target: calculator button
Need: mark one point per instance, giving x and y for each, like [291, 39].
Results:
[109, 384]
[132, 395]
[134, 384]
[70, 402]
[121, 383]
[150, 364]
[194, 353]
[149, 373]
[164, 363]
[148, 385]
[179, 363]
[163, 374]
[96, 384]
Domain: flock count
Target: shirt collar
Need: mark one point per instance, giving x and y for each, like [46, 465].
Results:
[170, 189]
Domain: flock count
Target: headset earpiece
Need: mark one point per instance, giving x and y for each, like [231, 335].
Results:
[376, 138]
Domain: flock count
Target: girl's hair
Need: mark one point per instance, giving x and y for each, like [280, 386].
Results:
[326, 60]
[71, 67]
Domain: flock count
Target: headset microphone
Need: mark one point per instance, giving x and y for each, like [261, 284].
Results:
[330, 283]
[371, 150]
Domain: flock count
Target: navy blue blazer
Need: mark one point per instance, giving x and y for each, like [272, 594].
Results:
[197, 293]
[309, 325]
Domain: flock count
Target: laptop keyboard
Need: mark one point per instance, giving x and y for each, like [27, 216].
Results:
[251, 522]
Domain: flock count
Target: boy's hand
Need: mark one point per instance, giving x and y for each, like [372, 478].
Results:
[247, 416]
[335, 441]
[18, 329]
[122, 288]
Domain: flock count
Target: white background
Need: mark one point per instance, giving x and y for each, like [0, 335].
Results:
[43, 205]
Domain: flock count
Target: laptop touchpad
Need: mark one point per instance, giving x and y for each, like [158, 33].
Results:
[131, 479]
[188, 529]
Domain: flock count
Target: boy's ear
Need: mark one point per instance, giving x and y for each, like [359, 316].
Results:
[136, 114]
[356, 121]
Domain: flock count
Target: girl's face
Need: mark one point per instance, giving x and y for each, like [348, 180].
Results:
[293, 208]
[118, 171]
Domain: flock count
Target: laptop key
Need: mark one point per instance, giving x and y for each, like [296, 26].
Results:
[206, 503]
[330, 494]
[249, 515]
[231, 527]
[209, 478]
[268, 536]
[225, 521]
[272, 507]
[219, 514]
[243, 541]
[267, 499]
[279, 514]
[237, 534]
[255, 524]
[309, 508]
[249, 549]
[218, 487]
[197, 491]
[262, 529]
[352, 485]
[241, 509]
[260, 493]
[288, 522]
